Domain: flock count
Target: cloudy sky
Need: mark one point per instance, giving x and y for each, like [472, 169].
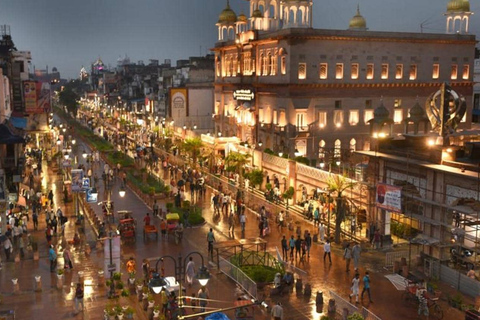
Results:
[71, 33]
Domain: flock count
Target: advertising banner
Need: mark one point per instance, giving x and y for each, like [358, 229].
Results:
[43, 96]
[30, 96]
[179, 102]
[389, 197]
[77, 180]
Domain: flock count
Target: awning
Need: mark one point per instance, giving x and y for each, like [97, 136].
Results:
[7, 137]
[20, 123]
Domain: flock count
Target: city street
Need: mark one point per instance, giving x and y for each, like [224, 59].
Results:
[323, 277]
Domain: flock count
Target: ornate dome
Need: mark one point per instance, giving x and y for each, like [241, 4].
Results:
[417, 111]
[458, 6]
[241, 17]
[381, 113]
[227, 15]
[358, 21]
[257, 14]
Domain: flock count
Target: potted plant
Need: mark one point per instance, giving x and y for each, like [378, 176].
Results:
[129, 312]
[111, 312]
[119, 285]
[117, 276]
[151, 301]
[156, 311]
[355, 316]
[60, 273]
[131, 278]
[125, 293]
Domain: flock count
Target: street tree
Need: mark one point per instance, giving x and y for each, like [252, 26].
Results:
[193, 147]
[68, 98]
[255, 176]
[236, 161]
[337, 184]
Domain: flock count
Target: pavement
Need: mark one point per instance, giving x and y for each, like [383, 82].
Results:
[58, 303]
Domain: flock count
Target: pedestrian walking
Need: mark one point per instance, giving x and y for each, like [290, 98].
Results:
[35, 220]
[355, 288]
[203, 297]
[7, 246]
[321, 232]
[376, 239]
[356, 250]
[284, 248]
[231, 223]
[146, 219]
[21, 246]
[52, 256]
[366, 286]
[79, 298]
[298, 247]
[155, 208]
[210, 240]
[243, 221]
[292, 246]
[277, 312]
[131, 266]
[347, 255]
[281, 217]
[308, 243]
[327, 251]
[190, 271]
[67, 259]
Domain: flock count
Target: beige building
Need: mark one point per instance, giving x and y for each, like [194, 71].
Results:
[314, 91]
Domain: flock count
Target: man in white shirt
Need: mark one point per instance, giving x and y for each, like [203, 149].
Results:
[327, 251]
[277, 312]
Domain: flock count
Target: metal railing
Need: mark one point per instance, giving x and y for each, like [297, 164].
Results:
[237, 275]
[369, 315]
[342, 304]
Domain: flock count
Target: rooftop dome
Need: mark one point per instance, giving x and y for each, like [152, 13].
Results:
[358, 21]
[381, 112]
[257, 14]
[458, 6]
[241, 17]
[227, 15]
[417, 111]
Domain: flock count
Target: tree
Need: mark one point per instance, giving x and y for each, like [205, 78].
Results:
[68, 98]
[337, 184]
[193, 146]
[237, 160]
[288, 194]
[255, 176]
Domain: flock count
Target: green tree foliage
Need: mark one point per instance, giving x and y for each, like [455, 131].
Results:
[193, 147]
[237, 160]
[255, 176]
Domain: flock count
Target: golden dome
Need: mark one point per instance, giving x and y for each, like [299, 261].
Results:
[358, 21]
[257, 14]
[227, 15]
[458, 6]
[241, 17]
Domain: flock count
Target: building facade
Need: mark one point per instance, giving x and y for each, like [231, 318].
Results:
[303, 91]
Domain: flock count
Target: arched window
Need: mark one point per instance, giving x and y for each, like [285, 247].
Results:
[261, 69]
[268, 64]
[338, 149]
[353, 145]
[321, 149]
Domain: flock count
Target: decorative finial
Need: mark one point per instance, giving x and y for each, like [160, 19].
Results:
[358, 9]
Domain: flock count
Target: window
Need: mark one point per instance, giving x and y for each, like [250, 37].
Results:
[266, 64]
[370, 71]
[368, 104]
[321, 149]
[301, 121]
[322, 119]
[338, 149]
[261, 67]
[283, 65]
[454, 72]
[466, 72]
[234, 65]
[338, 118]
[397, 103]
[353, 117]
[302, 70]
[273, 64]
[247, 60]
[323, 70]
[338, 104]
[353, 145]
[275, 117]
[339, 71]
[436, 71]
[413, 72]
[218, 68]
[398, 116]
[384, 74]
[399, 71]
[367, 116]
[282, 120]
[354, 71]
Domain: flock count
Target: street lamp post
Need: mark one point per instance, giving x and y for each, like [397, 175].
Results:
[157, 283]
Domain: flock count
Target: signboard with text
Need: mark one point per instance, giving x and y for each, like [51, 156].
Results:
[30, 96]
[389, 197]
[244, 95]
[179, 102]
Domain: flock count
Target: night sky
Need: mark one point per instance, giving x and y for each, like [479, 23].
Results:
[70, 33]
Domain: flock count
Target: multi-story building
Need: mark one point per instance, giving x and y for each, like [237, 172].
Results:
[292, 87]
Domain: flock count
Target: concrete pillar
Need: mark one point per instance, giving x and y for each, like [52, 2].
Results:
[38, 283]
[59, 281]
[101, 278]
[16, 286]
[291, 171]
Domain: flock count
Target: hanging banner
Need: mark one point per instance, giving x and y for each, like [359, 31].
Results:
[77, 180]
[30, 97]
[389, 197]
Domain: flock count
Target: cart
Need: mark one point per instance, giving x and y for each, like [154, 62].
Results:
[173, 220]
[125, 214]
[126, 227]
[149, 229]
